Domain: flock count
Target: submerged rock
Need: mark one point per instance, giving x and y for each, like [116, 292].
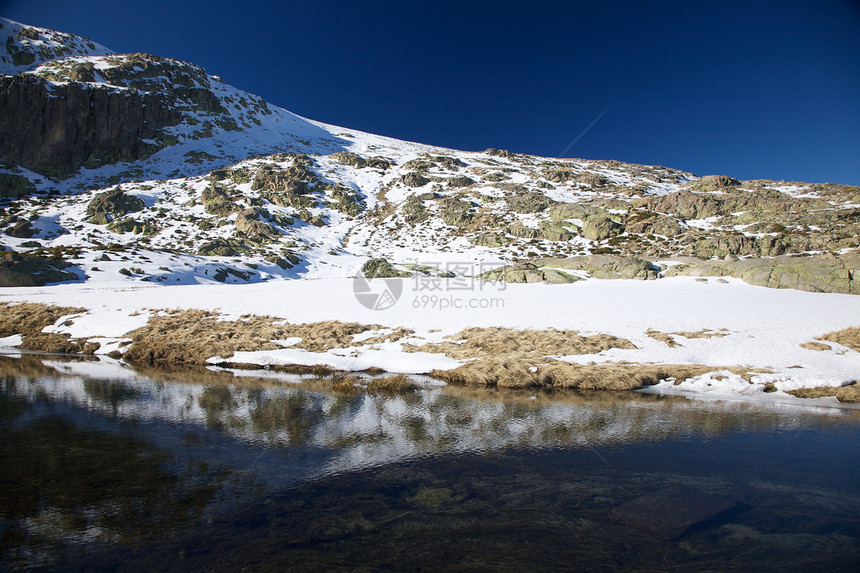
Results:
[671, 512]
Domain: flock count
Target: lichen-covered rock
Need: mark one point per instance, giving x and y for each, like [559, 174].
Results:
[460, 181]
[413, 210]
[131, 225]
[825, 273]
[107, 206]
[294, 179]
[607, 266]
[356, 160]
[721, 245]
[346, 200]
[528, 273]
[223, 273]
[457, 212]
[599, 227]
[349, 158]
[687, 205]
[249, 224]
[380, 269]
[525, 201]
[520, 230]
[591, 179]
[560, 175]
[554, 231]
[570, 211]
[415, 179]
[713, 182]
[491, 240]
[643, 222]
[222, 248]
[216, 201]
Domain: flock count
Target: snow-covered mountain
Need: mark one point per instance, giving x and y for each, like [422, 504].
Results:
[134, 167]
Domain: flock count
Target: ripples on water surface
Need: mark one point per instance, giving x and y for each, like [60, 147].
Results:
[113, 470]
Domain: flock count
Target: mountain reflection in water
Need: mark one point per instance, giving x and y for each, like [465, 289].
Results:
[98, 468]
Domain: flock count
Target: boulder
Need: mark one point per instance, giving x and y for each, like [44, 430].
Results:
[528, 273]
[32, 270]
[415, 179]
[821, 273]
[607, 266]
[12, 185]
[105, 207]
[249, 224]
[381, 269]
[600, 227]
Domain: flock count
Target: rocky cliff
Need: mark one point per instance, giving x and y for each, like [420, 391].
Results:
[56, 129]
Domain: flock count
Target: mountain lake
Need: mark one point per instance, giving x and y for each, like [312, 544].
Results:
[198, 470]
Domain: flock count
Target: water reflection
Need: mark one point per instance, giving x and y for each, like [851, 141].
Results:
[134, 458]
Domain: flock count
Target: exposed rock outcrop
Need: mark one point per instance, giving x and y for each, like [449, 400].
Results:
[107, 206]
[607, 266]
[827, 273]
[56, 129]
[528, 273]
[32, 270]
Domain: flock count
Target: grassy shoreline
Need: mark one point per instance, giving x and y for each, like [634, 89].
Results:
[503, 358]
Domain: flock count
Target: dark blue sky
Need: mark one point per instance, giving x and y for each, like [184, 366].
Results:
[752, 89]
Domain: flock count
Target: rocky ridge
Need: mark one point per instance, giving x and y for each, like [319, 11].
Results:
[157, 171]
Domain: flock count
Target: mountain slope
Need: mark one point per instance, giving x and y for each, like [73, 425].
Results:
[157, 171]
[29, 46]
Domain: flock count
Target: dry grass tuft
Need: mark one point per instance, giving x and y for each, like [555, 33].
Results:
[818, 346]
[847, 394]
[662, 337]
[390, 384]
[193, 336]
[511, 373]
[28, 320]
[849, 337]
[495, 341]
[347, 384]
[668, 337]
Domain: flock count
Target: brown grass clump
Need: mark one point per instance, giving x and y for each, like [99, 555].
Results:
[390, 384]
[668, 337]
[346, 384]
[28, 320]
[193, 336]
[662, 337]
[847, 394]
[818, 346]
[849, 337]
[512, 373]
[495, 341]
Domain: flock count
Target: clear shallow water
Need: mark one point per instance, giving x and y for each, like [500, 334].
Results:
[200, 471]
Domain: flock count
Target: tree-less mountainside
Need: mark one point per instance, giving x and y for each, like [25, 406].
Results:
[123, 175]
[138, 167]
